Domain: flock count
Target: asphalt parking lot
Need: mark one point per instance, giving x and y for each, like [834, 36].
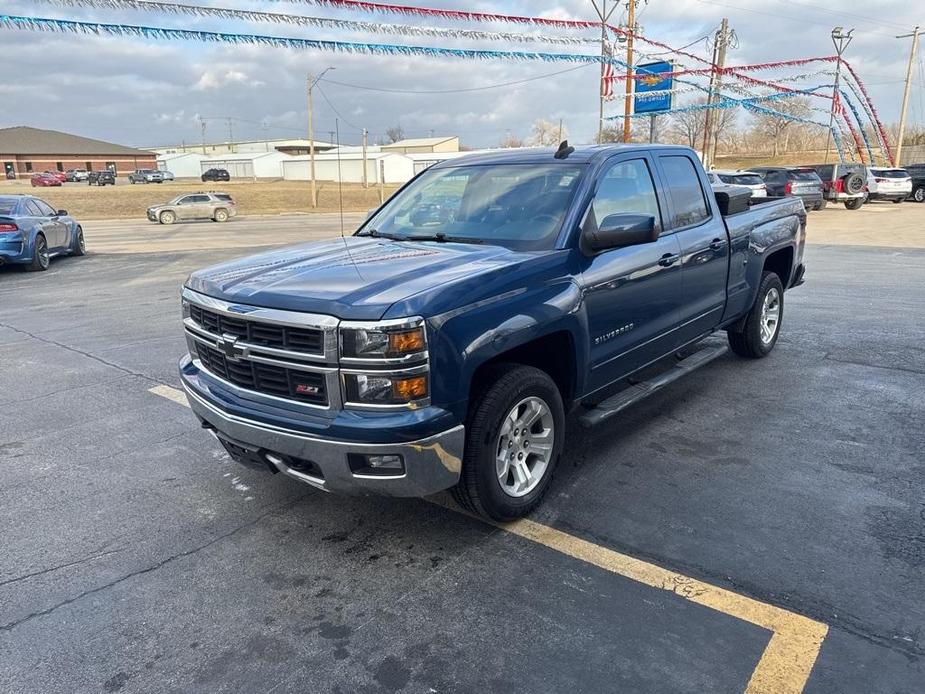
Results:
[708, 540]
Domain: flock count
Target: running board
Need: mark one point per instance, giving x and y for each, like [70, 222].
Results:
[638, 391]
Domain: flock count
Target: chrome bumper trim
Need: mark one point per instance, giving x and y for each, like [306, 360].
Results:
[431, 465]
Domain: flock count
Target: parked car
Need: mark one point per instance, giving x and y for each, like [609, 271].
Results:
[844, 183]
[894, 185]
[801, 182]
[420, 355]
[917, 173]
[747, 179]
[59, 175]
[101, 178]
[146, 176]
[72, 175]
[43, 180]
[219, 207]
[32, 232]
[166, 175]
[216, 175]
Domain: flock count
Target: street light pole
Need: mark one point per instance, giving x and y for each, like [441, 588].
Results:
[312, 81]
[841, 41]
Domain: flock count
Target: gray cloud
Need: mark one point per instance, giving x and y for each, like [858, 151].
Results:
[149, 92]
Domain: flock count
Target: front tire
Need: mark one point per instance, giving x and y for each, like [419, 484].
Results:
[80, 246]
[220, 215]
[759, 334]
[167, 217]
[854, 203]
[40, 257]
[514, 437]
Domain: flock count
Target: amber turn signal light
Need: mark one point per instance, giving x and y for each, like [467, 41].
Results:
[406, 341]
[410, 388]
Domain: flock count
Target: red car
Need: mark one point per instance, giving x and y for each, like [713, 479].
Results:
[42, 180]
[60, 175]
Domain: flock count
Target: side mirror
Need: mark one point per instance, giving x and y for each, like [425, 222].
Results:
[61, 213]
[619, 230]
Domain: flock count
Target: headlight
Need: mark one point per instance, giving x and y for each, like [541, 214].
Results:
[400, 340]
[386, 389]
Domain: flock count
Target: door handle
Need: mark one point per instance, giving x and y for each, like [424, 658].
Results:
[668, 259]
[717, 244]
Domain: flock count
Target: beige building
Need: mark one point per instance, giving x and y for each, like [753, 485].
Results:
[423, 145]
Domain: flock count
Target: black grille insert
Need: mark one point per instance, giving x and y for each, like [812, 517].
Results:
[303, 386]
[308, 340]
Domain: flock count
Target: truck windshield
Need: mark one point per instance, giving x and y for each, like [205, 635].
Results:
[519, 206]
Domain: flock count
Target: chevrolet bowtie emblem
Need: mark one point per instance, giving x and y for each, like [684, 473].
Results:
[228, 344]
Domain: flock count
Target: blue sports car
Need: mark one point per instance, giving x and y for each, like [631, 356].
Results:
[32, 232]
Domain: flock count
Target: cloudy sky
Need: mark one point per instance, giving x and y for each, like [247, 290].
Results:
[149, 93]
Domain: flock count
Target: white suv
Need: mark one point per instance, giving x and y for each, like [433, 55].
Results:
[888, 184]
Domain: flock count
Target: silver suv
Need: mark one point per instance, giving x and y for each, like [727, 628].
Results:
[219, 207]
[146, 176]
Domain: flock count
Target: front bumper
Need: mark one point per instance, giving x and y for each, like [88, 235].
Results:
[430, 465]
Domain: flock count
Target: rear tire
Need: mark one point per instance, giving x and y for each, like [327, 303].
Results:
[518, 410]
[919, 194]
[167, 217]
[854, 203]
[220, 215]
[758, 336]
[821, 206]
[40, 257]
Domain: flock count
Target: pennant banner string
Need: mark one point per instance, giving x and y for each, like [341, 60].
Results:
[303, 20]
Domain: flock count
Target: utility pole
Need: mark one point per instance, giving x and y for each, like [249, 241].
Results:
[560, 130]
[604, 14]
[202, 127]
[630, 80]
[311, 82]
[841, 41]
[230, 136]
[365, 145]
[727, 37]
[905, 106]
[720, 42]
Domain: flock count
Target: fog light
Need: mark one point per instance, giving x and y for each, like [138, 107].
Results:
[385, 465]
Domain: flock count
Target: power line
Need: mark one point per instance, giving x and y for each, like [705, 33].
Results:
[840, 13]
[457, 91]
[336, 112]
[777, 15]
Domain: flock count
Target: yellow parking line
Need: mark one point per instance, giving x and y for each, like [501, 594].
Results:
[795, 641]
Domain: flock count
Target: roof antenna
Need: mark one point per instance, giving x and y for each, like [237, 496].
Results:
[564, 150]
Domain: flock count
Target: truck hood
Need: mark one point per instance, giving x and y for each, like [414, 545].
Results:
[358, 278]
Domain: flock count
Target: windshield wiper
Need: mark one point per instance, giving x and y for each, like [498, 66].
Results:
[379, 235]
[443, 238]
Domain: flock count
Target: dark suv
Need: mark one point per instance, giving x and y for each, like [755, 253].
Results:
[101, 178]
[216, 175]
[845, 183]
[917, 172]
[800, 182]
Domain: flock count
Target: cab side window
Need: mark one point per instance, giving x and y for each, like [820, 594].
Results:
[626, 188]
[689, 202]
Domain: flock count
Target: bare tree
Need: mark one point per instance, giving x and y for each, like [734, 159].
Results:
[395, 133]
[510, 141]
[546, 134]
[778, 128]
[611, 133]
[688, 127]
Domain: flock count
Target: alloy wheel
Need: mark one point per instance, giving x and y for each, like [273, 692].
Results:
[770, 315]
[525, 446]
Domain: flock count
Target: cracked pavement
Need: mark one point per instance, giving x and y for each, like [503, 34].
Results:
[135, 557]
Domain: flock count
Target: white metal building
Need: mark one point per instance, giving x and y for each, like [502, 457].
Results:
[389, 168]
[247, 164]
[181, 165]
[421, 161]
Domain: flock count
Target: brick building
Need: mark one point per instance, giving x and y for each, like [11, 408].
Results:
[26, 150]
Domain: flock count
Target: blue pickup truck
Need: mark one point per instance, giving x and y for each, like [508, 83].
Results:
[442, 345]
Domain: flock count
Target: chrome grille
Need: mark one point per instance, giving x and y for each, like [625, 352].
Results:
[309, 340]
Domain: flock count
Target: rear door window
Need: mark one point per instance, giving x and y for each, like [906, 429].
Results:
[689, 202]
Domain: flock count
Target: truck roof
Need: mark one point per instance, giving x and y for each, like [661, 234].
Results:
[583, 154]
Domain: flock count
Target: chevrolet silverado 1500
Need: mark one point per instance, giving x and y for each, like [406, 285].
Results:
[443, 343]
